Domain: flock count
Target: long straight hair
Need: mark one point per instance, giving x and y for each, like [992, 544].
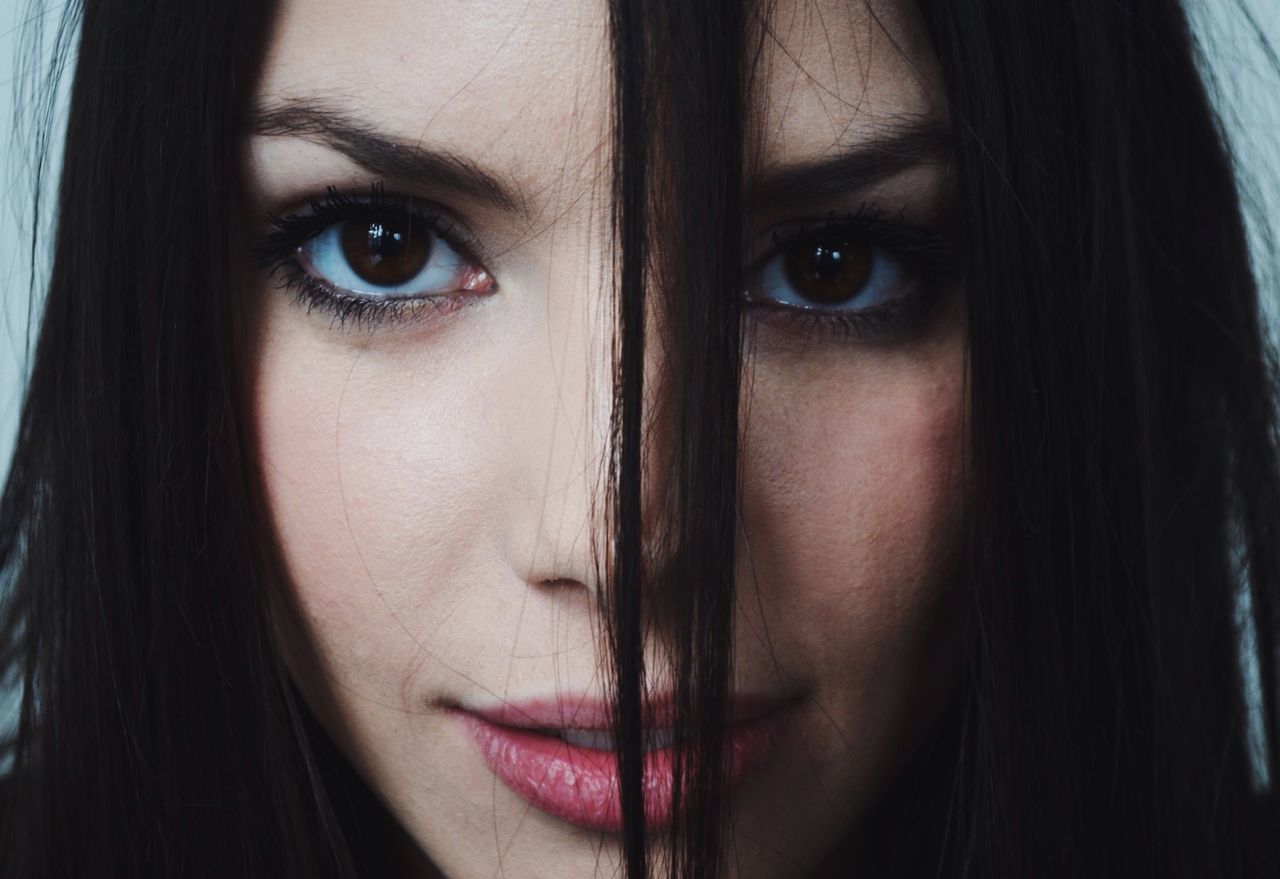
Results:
[1124, 465]
[1124, 443]
[675, 61]
[158, 734]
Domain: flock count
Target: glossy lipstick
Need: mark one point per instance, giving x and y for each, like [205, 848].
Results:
[524, 744]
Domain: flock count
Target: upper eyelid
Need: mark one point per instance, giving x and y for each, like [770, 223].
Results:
[870, 220]
[927, 255]
[871, 223]
[443, 221]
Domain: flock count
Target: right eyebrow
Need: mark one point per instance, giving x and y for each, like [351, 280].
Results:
[380, 154]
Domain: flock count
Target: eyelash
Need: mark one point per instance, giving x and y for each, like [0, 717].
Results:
[925, 256]
[277, 254]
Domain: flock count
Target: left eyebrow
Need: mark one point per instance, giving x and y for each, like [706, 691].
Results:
[381, 154]
[888, 152]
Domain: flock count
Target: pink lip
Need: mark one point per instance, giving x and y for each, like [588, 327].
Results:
[580, 785]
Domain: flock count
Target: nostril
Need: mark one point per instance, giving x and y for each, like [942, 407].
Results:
[564, 577]
[561, 583]
[565, 590]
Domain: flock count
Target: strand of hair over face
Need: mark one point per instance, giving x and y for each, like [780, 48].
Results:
[678, 159]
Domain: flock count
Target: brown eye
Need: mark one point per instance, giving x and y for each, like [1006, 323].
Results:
[387, 252]
[391, 254]
[827, 271]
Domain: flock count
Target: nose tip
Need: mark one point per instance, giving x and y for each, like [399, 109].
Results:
[563, 549]
[569, 532]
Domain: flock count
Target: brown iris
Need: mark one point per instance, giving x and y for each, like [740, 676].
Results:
[387, 251]
[827, 271]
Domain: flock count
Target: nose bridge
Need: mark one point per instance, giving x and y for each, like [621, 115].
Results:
[561, 446]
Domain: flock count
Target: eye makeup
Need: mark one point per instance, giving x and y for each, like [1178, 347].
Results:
[373, 261]
[384, 260]
[862, 276]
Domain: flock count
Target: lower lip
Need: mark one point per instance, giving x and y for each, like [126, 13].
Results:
[580, 785]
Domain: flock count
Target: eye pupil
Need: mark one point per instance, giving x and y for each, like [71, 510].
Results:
[383, 242]
[828, 272]
[386, 252]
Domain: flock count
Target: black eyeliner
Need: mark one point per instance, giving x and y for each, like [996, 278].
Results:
[278, 253]
[927, 256]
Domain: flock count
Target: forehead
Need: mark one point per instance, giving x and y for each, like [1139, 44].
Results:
[524, 86]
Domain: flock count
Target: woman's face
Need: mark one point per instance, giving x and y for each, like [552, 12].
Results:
[433, 439]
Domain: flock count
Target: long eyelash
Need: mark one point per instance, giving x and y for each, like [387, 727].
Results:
[354, 312]
[277, 254]
[291, 231]
[927, 255]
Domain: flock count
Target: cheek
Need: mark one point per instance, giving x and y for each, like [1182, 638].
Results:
[852, 501]
[410, 478]
[369, 482]
[852, 481]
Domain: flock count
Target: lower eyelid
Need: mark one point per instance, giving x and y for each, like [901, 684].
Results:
[349, 313]
[901, 320]
[807, 326]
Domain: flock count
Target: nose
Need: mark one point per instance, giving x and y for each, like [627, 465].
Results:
[567, 442]
[559, 443]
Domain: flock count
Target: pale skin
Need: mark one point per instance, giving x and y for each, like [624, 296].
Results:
[434, 484]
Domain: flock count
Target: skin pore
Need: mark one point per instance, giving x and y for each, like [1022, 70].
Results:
[434, 467]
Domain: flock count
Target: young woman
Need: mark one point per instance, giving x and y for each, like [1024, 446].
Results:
[803, 438]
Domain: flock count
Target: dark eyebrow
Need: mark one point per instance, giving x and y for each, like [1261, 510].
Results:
[902, 146]
[380, 154]
[888, 152]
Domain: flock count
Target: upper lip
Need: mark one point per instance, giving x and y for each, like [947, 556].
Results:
[585, 712]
